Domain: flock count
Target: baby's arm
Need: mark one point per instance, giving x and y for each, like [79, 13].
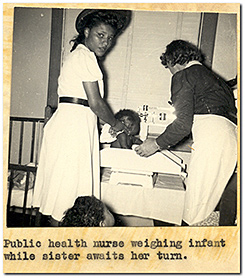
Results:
[121, 142]
[137, 140]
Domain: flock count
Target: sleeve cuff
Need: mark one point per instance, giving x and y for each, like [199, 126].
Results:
[161, 146]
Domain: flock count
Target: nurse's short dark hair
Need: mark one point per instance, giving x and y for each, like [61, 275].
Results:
[180, 52]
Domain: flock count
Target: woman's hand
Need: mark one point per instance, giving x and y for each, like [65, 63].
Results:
[119, 126]
[100, 107]
[147, 148]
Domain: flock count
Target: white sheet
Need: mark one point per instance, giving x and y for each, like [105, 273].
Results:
[17, 198]
[164, 202]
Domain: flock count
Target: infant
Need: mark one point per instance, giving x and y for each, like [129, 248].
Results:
[123, 140]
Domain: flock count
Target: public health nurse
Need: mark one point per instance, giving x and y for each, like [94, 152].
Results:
[205, 106]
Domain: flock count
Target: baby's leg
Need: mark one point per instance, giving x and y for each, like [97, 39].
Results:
[116, 144]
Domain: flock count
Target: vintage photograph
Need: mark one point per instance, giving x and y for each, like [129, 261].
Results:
[123, 117]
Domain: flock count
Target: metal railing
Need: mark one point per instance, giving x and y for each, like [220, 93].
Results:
[23, 131]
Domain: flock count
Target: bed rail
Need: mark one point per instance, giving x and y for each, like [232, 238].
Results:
[23, 210]
[25, 136]
[25, 124]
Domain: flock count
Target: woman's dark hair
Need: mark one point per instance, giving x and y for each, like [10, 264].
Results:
[87, 211]
[117, 19]
[180, 52]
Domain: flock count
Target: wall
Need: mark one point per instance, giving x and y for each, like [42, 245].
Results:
[148, 81]
[30, 61]
[225, 51]
[30, 71]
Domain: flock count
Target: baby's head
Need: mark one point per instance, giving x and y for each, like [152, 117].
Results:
[131, 120]
[88, 211]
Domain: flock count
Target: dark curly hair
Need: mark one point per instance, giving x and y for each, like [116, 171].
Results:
[117, 19]
[180, 52]
[132, 116]
[87, 211]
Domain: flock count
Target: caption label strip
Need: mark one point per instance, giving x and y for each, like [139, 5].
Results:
[16, 250]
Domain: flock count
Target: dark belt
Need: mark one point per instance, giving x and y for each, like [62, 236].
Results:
[74, 100]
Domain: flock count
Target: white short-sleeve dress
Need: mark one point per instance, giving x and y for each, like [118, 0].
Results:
[69, 158]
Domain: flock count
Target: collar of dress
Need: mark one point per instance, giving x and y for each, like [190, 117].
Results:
[84, 47]
[191, 63]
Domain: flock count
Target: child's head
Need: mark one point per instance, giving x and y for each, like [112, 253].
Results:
[180, 52]
[131, 120]
[88, 211]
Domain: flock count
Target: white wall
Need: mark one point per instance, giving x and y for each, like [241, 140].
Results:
[148, 81]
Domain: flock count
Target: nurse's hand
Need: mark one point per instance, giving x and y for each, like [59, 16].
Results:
[147, 148]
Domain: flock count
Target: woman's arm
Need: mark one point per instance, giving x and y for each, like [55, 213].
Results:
[183, 102]
[99, 106]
